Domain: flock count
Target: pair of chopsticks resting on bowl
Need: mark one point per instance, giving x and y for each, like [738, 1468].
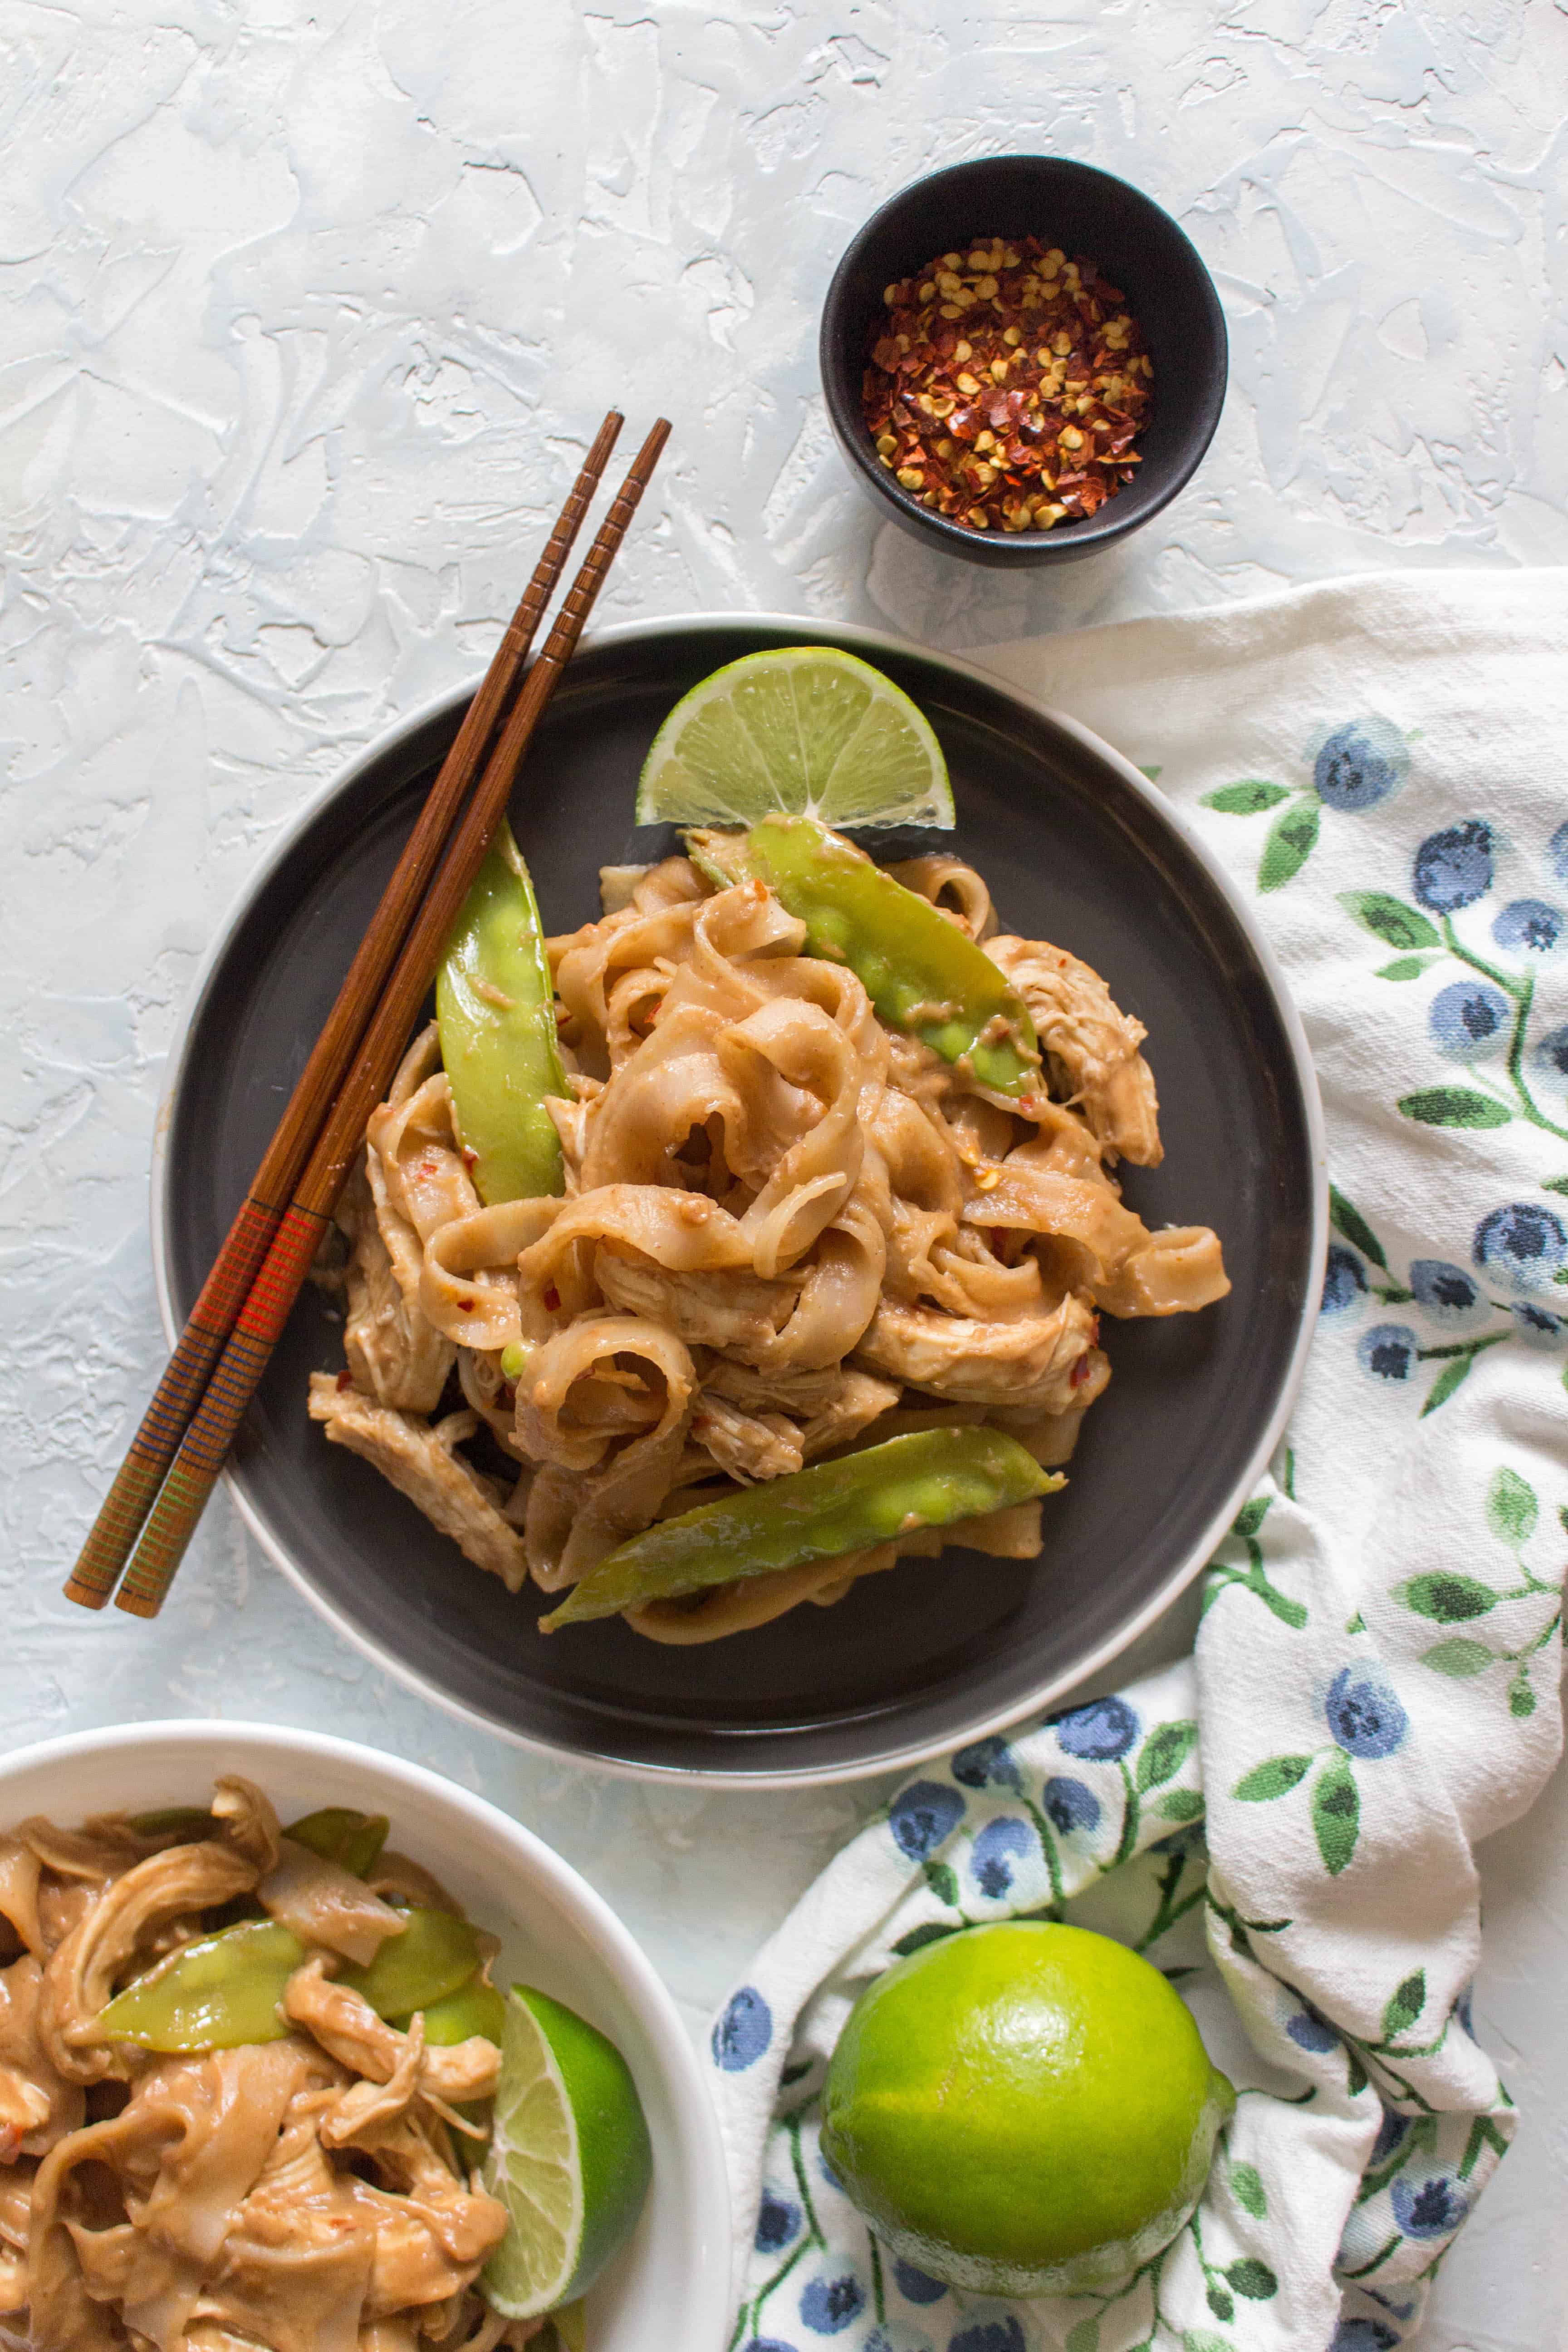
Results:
[163, 1485]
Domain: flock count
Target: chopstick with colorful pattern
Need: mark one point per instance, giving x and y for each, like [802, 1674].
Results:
[212, 1318]
[206, 1442]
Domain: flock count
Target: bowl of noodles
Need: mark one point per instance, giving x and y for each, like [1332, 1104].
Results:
[950, 1349]
[307, 2181]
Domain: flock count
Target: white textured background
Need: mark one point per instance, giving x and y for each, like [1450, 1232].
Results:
[308, 307]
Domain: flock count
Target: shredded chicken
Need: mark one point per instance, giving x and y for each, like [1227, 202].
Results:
[422, 1463]
[785, 1229]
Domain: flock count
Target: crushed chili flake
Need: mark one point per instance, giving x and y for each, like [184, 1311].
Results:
[1007, 385]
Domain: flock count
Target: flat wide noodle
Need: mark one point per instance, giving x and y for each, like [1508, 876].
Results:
[787, 1231]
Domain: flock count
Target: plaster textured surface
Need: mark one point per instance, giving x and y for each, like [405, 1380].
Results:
[308, 310]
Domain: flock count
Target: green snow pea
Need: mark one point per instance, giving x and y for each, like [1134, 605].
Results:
[920, 972]
[434, 1954]
[187, 1823]
[475, 2008]
[927, 1479]
[495, 1008]
[211, 1995]
[338, 1833]
[225, 1989]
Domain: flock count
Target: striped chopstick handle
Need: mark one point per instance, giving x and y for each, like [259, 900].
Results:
[196, 1467]
[206, 1443]
[176, 1398]
[179, 1392]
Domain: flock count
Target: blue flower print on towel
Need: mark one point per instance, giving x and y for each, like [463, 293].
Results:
[995, 1849]
[1433, 2208]
[987, 1761]
[1071, 1805]
[923, 1816]
[778, 2219]
[915, 2286]
[1446, 1291]
[1344, 1281]
[1309, 2031]
[1354, 767]
[1550, 1060]
[1530, 924]
[1101, 1732]
[1539, 1328]
[1388, 1351]
[766, 2343]
[743, 2032]
[1363, 1714]
[1391, 2131]
[1359, 765]
[1523, 1245]
[1455, 867]
[1363, 2336]
[1470, 1019]
[991, 2336]
[827, 2306]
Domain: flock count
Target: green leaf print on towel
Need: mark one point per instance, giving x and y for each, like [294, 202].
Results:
[1254, 1577]
[1513, 1512]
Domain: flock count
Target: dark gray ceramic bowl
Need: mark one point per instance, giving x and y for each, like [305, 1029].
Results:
[1138, 246]
[1079, 847]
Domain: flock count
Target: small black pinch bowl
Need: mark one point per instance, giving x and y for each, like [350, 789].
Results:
[1137, 246]
[1081, 849]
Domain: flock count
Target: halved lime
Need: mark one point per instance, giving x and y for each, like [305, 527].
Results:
[808, 729]
[569, 2156]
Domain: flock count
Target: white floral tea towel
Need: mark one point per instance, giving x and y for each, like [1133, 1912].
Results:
[1285, 1825]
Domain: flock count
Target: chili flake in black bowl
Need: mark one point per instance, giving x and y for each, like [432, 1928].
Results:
[1007, 386]
[999, 392]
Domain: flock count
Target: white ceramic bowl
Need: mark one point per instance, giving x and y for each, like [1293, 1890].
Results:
[670, 2290]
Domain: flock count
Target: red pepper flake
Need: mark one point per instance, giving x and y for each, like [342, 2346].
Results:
[1007, 385]
[465, 1306]
[1080, 1372]
[346, 1380]
[552, 1300]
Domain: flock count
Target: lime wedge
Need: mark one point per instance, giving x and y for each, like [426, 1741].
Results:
[569, 2157]
[808, 729]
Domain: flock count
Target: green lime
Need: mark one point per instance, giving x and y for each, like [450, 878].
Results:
[808, 729]
[1023, 2109]
[569, 2156]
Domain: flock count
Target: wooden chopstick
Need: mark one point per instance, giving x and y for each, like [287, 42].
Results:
[259, 1324]
[212, 1318]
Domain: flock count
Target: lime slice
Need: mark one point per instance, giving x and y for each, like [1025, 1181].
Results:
[808, 729]
[569, 2157]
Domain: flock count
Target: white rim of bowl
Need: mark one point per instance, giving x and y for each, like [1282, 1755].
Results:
[697, 2121]
[869, 642]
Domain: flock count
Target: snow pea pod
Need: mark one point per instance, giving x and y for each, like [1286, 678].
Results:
[920, 972]
[183, 1823]
[929, 1479]
[224, 1990]
[495, 1009]
[353, 1840]
[475, 2008]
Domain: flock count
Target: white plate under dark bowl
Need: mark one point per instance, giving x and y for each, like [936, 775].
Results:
[1077, 848]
